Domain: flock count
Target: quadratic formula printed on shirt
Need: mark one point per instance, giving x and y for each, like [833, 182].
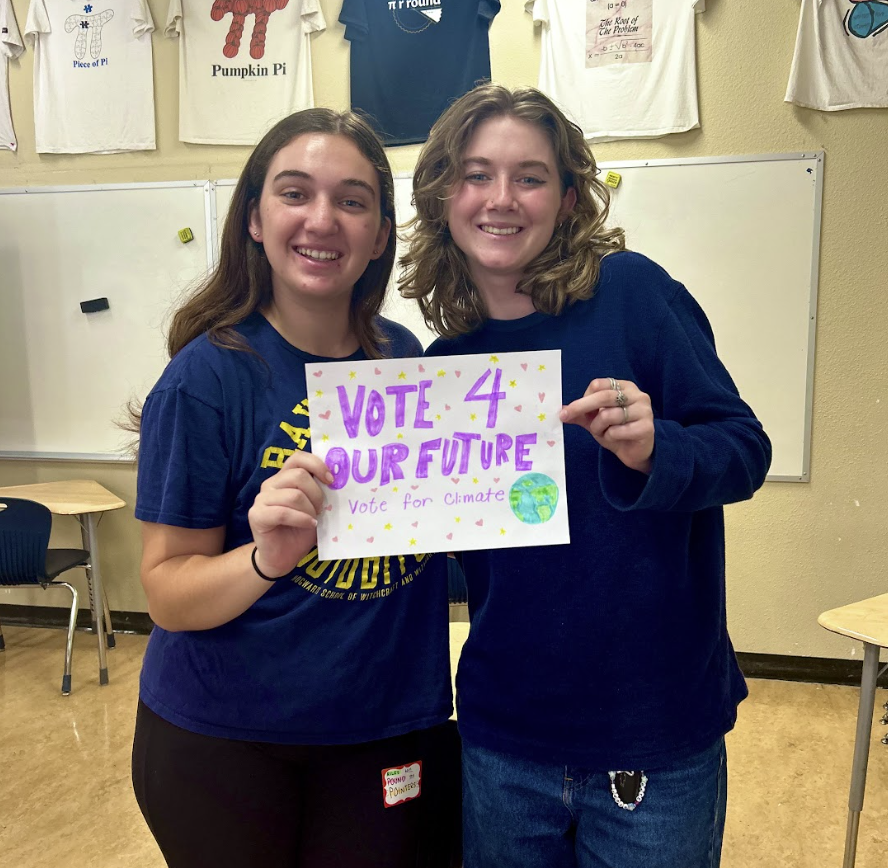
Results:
[618, 31]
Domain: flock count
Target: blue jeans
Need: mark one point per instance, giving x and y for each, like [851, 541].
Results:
[523, 814]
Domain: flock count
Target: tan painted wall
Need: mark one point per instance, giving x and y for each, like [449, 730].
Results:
[795, 550]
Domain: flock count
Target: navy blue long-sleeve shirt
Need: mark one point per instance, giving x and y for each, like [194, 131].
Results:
[612, 652]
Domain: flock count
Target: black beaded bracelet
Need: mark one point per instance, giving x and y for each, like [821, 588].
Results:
[262, 575]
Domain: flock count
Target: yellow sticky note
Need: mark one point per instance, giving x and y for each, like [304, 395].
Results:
[612, 179]
[186, 235]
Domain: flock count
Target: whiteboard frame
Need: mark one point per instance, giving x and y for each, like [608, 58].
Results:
[209, 201]
[818, 158]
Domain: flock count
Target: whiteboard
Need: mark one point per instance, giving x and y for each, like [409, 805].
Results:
[65, 375]
[742, 233]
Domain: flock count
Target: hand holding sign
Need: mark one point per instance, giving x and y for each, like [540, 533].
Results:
[284, 514]
[441, 454]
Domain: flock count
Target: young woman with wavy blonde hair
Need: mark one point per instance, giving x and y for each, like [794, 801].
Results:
[598, 679]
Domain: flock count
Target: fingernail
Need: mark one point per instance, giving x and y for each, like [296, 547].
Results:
[562, 414]
[314, 522]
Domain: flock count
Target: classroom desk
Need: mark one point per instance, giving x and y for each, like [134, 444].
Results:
[86, 500]
[867, 621]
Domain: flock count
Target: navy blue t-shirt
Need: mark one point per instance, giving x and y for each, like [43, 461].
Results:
[411, 58]
[612, 652]
[348, 651]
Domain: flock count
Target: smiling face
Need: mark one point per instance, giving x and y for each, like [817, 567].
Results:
[503, 213]
[318, 218]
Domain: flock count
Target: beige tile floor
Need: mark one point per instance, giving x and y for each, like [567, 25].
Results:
[65, 796]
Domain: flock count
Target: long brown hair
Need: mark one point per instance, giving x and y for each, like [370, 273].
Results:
[436, 273]
[241, 282]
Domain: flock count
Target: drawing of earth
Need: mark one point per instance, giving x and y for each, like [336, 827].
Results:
[533, 498]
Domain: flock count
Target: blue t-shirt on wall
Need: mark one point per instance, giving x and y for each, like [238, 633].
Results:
[411, 58]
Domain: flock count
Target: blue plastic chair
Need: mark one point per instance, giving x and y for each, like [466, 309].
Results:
[27, 560]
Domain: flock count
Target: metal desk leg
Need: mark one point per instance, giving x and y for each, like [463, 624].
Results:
[861, 748]
[96, 593]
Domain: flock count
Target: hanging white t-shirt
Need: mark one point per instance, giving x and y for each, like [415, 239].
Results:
[621, 69]
[841, 56]
[93, 84]
[241, 71]
[10, 46]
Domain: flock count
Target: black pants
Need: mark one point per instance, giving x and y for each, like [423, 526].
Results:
[218, 803]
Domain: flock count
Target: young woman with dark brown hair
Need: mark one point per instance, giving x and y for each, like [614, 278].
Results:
[279, 692]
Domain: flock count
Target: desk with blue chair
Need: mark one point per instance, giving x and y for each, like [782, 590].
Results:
[86, 500]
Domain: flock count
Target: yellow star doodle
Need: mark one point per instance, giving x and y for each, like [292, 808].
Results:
[541, 417]
[402, 376]
[442, 373]
[352, 374]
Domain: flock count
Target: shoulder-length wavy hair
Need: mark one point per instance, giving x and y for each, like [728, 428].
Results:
[436, 272]
[241, 282]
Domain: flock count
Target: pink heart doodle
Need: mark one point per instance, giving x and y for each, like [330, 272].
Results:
[414, 524]
[414, 487]
[551, 442]
[335, 539]
[542, 396]
[450, 536]
[377, 371]
[317, 373]
[324, 415]
[480, 522]
[454, 480]
[518, 408]
[374, 490]
[447, 406]
[457, 373]
[369, 539]
[328, 507]
[421, 369]
[524, 366]
[496, 479]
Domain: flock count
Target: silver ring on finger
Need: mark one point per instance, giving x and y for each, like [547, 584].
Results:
[625, 410]
[621, 399]
[614, 385]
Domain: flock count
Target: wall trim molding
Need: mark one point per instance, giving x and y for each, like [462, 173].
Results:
[781, 667]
